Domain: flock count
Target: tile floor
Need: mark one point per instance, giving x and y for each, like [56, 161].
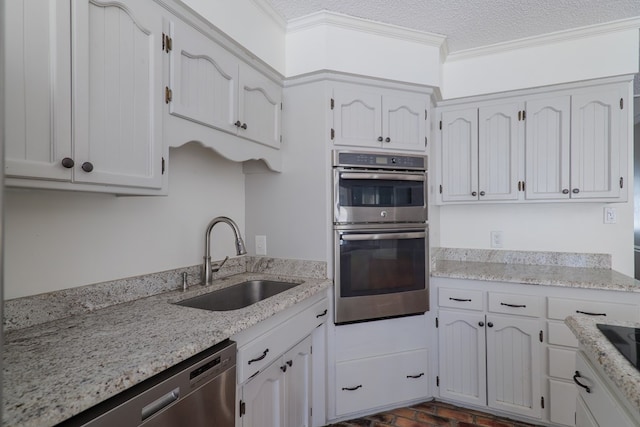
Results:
[431, 414]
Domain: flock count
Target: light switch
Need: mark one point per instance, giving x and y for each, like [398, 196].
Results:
[261, 245]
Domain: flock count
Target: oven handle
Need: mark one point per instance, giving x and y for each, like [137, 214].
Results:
[389, 176]
[385, 236]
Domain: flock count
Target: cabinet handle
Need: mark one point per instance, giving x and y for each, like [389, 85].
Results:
[482, 193]
[380, 139]
[257, 359]
[324, 313]
[352, 388]
[68, 162]
[387, 139]
[87, 167]
[421, 374]
[244, 126]
[575, 380]
[459, 299]
[575, 190]
[490, 324]
[237, 124]
[473, 193]
[590, 314]
[481, 324]
[513, 305]
[565, 191]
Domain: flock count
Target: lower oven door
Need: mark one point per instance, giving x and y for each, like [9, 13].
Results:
[381, 273]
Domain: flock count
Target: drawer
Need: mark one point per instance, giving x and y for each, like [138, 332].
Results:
[521, 305]
[364, 384]
[259, 353]
[560, 308]
[560, 334]
[562, 363]
[461, 298]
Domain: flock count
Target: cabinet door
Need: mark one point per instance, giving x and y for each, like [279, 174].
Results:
[462, 356]
[404, 122]
[260, 107]
[562, 402]
[203, 79]
[498, 151]
[37, 102]
[597, 131]
[298, 384]
[459, 155]
[357, 118]
[118, 93]
[264, 398]
[547, 148]
[513, 365]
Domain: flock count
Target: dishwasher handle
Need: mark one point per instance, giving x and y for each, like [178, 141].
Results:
[160, 403]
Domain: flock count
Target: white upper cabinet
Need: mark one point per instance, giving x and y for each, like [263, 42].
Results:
[459, 148]
[210, 86]
[37, 85]
[117, 89]
[379, 118]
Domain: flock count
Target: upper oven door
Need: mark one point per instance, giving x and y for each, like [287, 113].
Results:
[374, 196]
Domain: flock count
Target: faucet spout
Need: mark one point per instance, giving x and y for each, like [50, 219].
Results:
[240, 248]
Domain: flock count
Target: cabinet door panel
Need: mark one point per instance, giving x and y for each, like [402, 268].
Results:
[547, 148]
[403, 122]
[513, 368]
[462, 356]
[562, 402]
[357, 118]
[264, 398]
[204, 79]
[298, 384]
[596, 130]
[117, 93]
[259, 107]
[460, 155]
[37, 88]
[498, 152]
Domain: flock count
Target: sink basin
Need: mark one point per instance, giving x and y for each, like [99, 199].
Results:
[238, 296]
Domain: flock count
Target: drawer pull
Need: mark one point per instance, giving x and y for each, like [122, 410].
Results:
[324, 313]
[514, 305]
[416, 376]
[257, 359]
[575, 380]
[590, 314]
[352, 388]
[459, 299]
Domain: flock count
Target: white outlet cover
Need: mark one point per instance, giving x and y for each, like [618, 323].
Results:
[610, 215]
[261, 245]
[496, 239]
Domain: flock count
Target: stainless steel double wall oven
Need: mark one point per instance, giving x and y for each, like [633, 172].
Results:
[381, 235]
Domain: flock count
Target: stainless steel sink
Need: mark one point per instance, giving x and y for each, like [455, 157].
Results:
[238, 296]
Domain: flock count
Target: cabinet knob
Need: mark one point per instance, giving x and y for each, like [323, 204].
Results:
[87, 166]
[481, 324]
[283, 368]
[380, 138]
[565, 191]
[575, 190]
[482, 193]
[244, 126]
[490, 324]
[68, 162]
[473, 193]
[237, 124]
[387, 139]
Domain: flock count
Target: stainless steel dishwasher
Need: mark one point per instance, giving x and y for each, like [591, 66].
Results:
[197, 392]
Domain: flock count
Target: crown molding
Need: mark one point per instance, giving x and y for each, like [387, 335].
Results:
[275, 16]
[364, 25]
[545, 39]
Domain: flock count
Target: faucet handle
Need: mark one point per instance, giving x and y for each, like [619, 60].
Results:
[216, 267]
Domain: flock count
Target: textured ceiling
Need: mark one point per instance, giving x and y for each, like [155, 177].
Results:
[472, 23]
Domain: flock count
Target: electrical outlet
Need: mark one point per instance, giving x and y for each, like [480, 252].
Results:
[610, 216]
[261, 245]
[496, 239]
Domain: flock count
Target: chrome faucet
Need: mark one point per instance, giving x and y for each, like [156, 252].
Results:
[207, 268]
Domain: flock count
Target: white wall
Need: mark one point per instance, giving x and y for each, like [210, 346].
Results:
[543, 61]
[56, 240]
[248, 23]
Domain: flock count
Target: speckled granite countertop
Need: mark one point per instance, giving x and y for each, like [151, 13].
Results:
[600, 351]
[589, 271]
[57, 369]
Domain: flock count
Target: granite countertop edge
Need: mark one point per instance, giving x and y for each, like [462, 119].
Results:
[601, 352]
[58, 369]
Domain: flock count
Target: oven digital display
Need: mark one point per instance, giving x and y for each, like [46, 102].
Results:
[381, 160]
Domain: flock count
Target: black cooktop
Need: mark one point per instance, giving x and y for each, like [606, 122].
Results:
[625, 339]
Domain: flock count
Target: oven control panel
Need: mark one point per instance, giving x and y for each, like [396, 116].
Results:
[379, 160]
